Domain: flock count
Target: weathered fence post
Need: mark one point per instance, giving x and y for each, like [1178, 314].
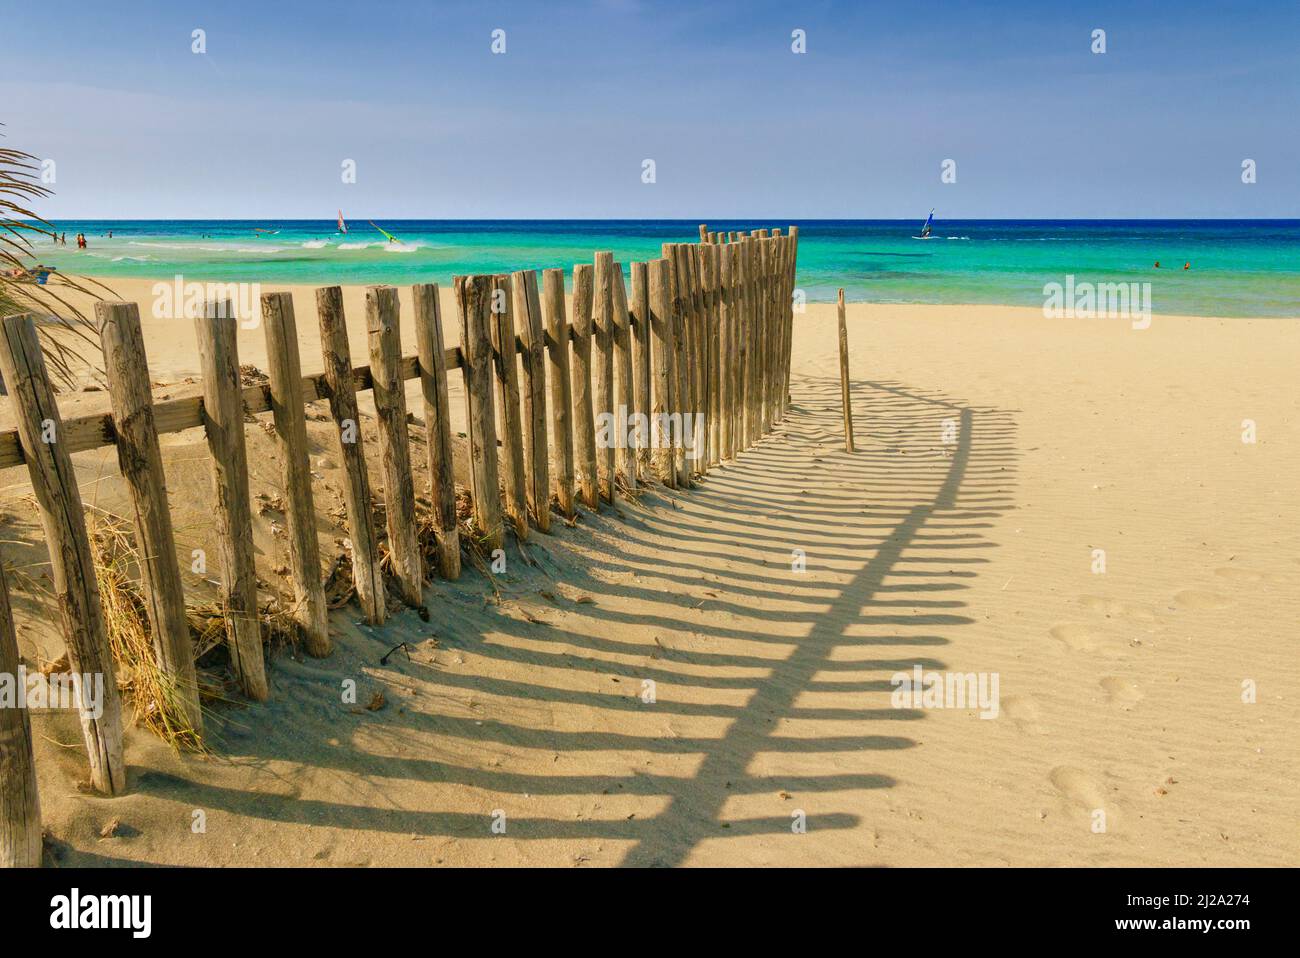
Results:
[512, 433]
[660, 321]
[844, 377]
[713, 262]
[284, 370]
[682, 366]
[791, 285]
[474, 304]
[603, 380]
[389, 389]
[223, 422]
[20, 805]
[726, 354]
[640, 319]
[537, 477]
[72, 567]
[584, 417]
[136, 437]
[557, 343]
[437, 426]
[367, 577]
[626, 391]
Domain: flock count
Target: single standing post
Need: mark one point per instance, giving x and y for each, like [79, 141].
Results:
[223, 422]
[537, 477]
[704, 232]
[557, 344]
[20, 805]
[844, 378]
[584, 417]
[603, 381]
[72, 568]
[284, 371]
[512, 433]
[336, 355]
[626, 391]
[640, 319]
[474, 304]
[126, 368]
[389, 389]
[437, 426]
[661, 343]
[791, 285]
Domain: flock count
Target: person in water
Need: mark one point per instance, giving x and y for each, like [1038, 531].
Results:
[1187, 265]
[1157, 266]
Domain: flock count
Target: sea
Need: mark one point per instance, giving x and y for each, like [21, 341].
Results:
[1206, 267]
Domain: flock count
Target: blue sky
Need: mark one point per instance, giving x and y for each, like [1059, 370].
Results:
[139, 126]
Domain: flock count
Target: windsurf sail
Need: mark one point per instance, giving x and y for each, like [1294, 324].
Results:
[929, 225]
[258, 229]
[391, 237]
[343, 227]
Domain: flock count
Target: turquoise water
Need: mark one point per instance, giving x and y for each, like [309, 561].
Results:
[1238, 267]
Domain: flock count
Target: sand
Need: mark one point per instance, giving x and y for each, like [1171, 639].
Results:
[1119, 691]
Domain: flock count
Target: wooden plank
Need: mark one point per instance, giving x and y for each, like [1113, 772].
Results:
[603, 371]
[336, 354]
[537, 472]
[557, 345]
[659, 280]
[712, 262]
[510, 425]
[625, 392]
[641, 353]
[584, 416]
[474, 306]
[726, 355]
[437, 426]
[704, 232]
[72, 568]
[223, 422]
[681, 380]
[384, 336]
[845, 399]
[126, 369]
[20, 805]
[285, 374]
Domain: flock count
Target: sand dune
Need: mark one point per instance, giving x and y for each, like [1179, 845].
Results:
[1120, 691]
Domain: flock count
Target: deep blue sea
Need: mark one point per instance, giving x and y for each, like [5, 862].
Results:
[1236, 267]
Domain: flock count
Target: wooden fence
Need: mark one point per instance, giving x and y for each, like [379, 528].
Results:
[691, 364]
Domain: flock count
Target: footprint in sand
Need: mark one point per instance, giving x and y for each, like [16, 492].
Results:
[1078, 786]
[1024, 712]
[1201, 599]
[1077, 638]
[1111, 607]
[1243, 576]
[1121, 693]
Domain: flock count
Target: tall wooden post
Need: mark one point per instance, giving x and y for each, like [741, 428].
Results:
[726, 354]
[336, 355]
[512, 433]
[223, 422]
[474, 304]
[641, 350]
[603, 378]
[557, 344]
[626, 393]
[437, 424]
[537, 473]
[76, 593]
[389, 390]
[661, 343]
[584, 416]
[844, 377]
[127, 370]
[20, 805]
[284, 370]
